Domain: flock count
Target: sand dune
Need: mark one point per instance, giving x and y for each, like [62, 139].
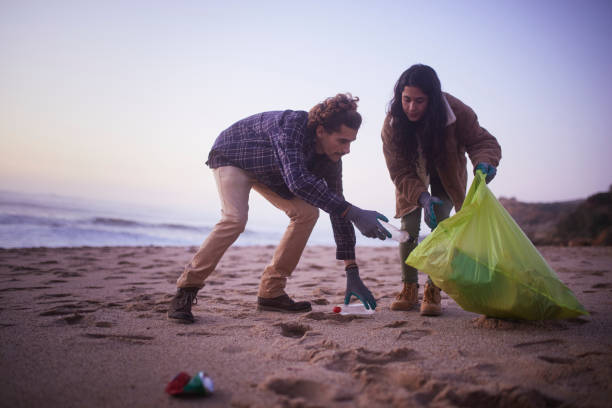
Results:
[87, 327]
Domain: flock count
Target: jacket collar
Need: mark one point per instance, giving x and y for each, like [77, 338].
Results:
[450, 115]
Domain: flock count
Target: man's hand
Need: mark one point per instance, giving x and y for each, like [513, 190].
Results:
[427, 201]
[355, 287]
[488, 170]
[367, 222]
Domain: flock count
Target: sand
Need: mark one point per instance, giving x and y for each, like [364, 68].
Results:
[87, 327]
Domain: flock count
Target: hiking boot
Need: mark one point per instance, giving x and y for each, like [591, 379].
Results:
[432, 301]
[407, 298]
[180, 305]
[282, 303]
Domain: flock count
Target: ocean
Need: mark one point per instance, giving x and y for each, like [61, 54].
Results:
[44, 220]
[37, 220]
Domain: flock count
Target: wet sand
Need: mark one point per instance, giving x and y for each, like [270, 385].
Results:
[87, 327]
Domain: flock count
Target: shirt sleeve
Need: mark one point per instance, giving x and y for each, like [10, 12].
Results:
[288, 144]
[344, 232]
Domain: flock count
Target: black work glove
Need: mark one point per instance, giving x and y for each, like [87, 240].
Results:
[427, 201]
[355, 287]
[367, 222]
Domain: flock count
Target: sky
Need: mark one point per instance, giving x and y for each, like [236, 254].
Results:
[122, 100]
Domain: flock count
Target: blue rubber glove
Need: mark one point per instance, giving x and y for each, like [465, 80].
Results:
[488, 169]
[367, 222]
[427, 201]
[355, 287]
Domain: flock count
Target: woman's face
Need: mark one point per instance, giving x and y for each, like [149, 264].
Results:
[414, 103]
[335, 144]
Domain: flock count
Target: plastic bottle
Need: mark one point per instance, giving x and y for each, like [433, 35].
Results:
[396, 234]
[353, 309]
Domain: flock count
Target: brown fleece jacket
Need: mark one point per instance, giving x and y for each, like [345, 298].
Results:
[463, 135]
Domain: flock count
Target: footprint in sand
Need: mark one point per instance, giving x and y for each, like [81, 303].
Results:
[134, 339]
[395, 324]
[293, 329]
[66, 274]
[597, 273]
[548, 342]
[54, 295]
[315, 266]
[69, 309]
[157, 302]
[72, 319]
[556, 360]
[14, 289]
[197, 333]
[349, 360]
[590, 353]
[51, 262]
[415, 334]
[304, 389]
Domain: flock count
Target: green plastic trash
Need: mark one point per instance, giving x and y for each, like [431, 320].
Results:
[483, 260]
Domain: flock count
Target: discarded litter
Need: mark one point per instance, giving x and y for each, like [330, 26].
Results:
[184, 384]
[353, 309]
[396, 233]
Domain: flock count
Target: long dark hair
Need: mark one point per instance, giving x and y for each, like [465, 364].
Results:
[430, 129]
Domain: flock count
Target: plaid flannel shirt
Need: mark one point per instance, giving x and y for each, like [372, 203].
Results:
[277, 149]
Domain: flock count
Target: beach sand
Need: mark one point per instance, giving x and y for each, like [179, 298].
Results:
[87, 327]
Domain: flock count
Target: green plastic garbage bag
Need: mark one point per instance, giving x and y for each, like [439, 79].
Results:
[483, 260]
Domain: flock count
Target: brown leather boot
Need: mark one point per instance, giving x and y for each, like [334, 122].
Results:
[180, 305]
[283, 303]
[407, 298]
[432, 301]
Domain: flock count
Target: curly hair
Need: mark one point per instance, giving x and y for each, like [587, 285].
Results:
[430, 130]
[334, 112]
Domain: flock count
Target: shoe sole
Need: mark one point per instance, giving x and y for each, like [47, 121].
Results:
[431, 313]
[277, 309]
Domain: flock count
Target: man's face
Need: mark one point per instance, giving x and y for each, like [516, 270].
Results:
[335, 144]
[414, 103]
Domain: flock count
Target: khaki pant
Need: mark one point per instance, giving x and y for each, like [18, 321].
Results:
[234, 185]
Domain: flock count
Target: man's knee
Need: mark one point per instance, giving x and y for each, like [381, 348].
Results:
[235, 224]
[306, 214]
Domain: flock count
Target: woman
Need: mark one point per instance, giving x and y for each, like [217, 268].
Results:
[293, 159]
[426, 135]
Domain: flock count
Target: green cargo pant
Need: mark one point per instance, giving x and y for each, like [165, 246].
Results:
[411, 223]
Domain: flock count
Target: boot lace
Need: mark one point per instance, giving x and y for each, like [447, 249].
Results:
[189, 298]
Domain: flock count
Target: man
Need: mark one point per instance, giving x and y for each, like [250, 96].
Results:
[293, 159]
